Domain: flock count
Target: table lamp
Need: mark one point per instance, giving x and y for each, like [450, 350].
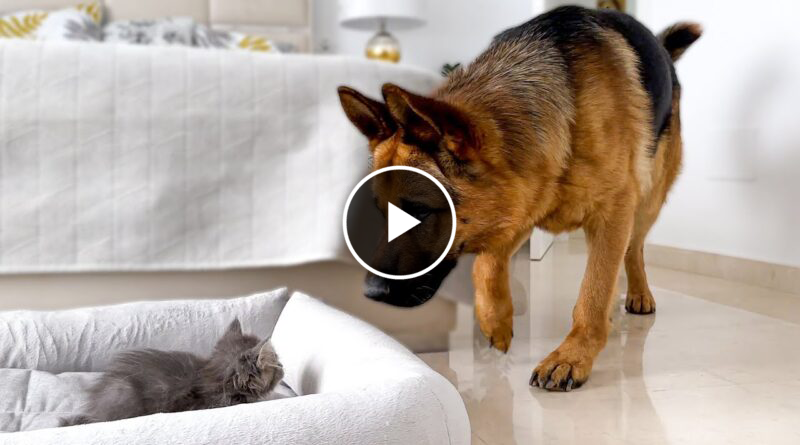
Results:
[381, 14]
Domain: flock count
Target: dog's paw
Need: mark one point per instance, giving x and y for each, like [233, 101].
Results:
[500, 337]
[640, 303]
[496, 321]
[564, 369]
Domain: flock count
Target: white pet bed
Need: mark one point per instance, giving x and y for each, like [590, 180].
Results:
[346, 382]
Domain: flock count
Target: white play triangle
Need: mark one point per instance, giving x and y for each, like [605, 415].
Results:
[400, 222]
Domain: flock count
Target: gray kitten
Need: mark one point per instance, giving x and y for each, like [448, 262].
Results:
[241, 369]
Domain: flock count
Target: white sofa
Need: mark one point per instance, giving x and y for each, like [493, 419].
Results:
[346, 382]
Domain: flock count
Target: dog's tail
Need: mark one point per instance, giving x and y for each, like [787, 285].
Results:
[680, 36]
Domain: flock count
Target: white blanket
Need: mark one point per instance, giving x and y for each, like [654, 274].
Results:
[116, 157]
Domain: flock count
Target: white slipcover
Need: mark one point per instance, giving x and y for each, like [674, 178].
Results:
[131, 157]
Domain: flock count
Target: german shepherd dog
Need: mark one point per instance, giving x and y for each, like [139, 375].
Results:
[569, 120]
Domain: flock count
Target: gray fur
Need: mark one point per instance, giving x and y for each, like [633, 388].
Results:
[241, 369]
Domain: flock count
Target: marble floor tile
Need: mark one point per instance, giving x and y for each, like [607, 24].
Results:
[718, 363]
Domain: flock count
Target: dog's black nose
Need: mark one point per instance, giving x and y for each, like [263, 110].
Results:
[376, 288]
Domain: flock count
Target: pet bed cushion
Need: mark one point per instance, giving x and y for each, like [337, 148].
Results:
[31, 399]
[86, 339]
[354, 384]
[49, 359]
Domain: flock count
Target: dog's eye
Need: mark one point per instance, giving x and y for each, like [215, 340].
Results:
[417, 210]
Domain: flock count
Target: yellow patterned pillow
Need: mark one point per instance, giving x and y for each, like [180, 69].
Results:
[82, 22]
[207, 37]
[93, 9]
[254, 43]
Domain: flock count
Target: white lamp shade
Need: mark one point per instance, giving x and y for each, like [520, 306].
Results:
[368, 14]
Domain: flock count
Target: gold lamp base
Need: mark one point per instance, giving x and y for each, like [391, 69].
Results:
[383, 46]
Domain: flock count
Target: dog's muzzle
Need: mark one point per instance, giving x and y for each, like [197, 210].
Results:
[407, 293]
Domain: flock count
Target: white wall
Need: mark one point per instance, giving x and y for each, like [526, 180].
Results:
[456, 30]
[740, 188]
[739, 193]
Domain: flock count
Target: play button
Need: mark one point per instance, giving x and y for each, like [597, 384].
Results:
[399, 222]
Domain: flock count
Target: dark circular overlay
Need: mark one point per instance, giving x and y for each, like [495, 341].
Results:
[418, 250]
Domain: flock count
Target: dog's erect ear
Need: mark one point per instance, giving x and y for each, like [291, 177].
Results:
[429, 122]
[370, 116]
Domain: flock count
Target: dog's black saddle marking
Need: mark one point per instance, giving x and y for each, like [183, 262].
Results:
[572, 26]
[655, 64]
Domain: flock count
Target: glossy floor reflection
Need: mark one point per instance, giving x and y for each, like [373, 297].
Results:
[718, 363]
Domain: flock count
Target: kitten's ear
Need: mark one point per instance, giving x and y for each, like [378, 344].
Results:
[235, 328]
[266, 355]
[232, 334]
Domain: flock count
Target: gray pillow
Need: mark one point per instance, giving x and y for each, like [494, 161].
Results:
[166, 31]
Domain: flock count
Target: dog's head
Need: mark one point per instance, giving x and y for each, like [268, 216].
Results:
[454, 144]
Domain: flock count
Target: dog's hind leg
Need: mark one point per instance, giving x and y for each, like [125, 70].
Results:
[639, 299]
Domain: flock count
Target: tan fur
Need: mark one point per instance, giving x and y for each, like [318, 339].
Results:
[572, 151]
[600, 192]
[666, 167]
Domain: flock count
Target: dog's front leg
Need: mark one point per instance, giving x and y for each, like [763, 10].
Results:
[570, 364]
[493, 307]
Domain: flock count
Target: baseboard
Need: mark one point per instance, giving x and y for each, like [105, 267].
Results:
[756, 273]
